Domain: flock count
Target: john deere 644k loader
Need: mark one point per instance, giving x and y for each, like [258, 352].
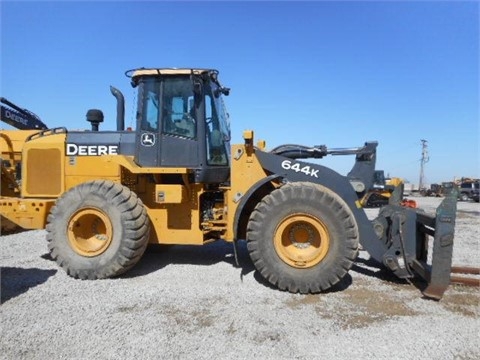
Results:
[102, 196]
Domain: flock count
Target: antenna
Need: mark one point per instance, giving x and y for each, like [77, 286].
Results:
[423, 161]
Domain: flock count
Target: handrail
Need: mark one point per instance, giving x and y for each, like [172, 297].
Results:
[47, 132]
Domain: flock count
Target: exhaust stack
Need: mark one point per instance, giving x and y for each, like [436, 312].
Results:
[120, 108]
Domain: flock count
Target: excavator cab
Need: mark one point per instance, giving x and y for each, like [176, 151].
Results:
[182, 122]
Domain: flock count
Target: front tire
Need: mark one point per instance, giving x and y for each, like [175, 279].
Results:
[98, 229]
[302, 238]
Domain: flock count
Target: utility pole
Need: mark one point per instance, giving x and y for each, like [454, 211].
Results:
[423, 161]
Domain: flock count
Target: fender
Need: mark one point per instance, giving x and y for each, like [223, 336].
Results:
[246, 199]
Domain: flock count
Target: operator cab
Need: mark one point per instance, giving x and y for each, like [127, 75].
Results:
[182, 122]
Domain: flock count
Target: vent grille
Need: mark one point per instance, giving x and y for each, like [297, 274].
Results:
[43, 172]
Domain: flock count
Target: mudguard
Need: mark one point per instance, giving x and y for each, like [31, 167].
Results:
[245, 200]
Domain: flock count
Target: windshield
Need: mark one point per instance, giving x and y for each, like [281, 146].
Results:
[217, 126]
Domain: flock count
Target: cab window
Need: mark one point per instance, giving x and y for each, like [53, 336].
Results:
[178, 111]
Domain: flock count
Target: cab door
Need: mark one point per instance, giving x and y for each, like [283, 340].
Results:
[167, 123]
[179, 135]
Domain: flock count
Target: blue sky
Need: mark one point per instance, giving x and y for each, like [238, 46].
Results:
[333, 73]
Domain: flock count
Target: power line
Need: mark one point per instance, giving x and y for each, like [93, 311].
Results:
[423, 161]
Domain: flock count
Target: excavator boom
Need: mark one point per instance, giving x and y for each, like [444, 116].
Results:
[19, 118]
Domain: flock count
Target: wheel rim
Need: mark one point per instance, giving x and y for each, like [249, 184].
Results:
[90, 232]
[301, 240]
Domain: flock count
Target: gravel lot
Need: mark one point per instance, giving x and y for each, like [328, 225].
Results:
[192, 303]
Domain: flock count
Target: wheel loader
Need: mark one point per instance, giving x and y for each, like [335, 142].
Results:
[382, 191]
[103, 196]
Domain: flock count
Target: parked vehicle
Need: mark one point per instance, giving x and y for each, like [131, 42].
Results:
[468, 188]
[476, 195]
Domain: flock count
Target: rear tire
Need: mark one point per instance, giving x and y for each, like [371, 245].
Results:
[302, 238]
[98, 229]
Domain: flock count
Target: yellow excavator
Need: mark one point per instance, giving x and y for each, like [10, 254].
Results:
[22, 119]
[382, 191]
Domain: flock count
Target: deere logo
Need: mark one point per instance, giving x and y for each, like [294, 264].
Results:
[15, 117]
[148, 139]
[91, 150]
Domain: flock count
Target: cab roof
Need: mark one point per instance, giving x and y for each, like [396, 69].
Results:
[134, 73]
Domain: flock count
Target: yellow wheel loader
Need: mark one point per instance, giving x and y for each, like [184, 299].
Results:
[382, 190]
[103, 196]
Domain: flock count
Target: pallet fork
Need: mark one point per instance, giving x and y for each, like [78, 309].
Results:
[409, 258]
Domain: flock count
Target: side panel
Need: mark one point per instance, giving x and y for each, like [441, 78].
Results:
[174, 223]
[88, 155]
[172, 202]
[96, 143]
[79, 169]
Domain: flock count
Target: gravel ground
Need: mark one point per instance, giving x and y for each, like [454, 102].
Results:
[192, 303]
